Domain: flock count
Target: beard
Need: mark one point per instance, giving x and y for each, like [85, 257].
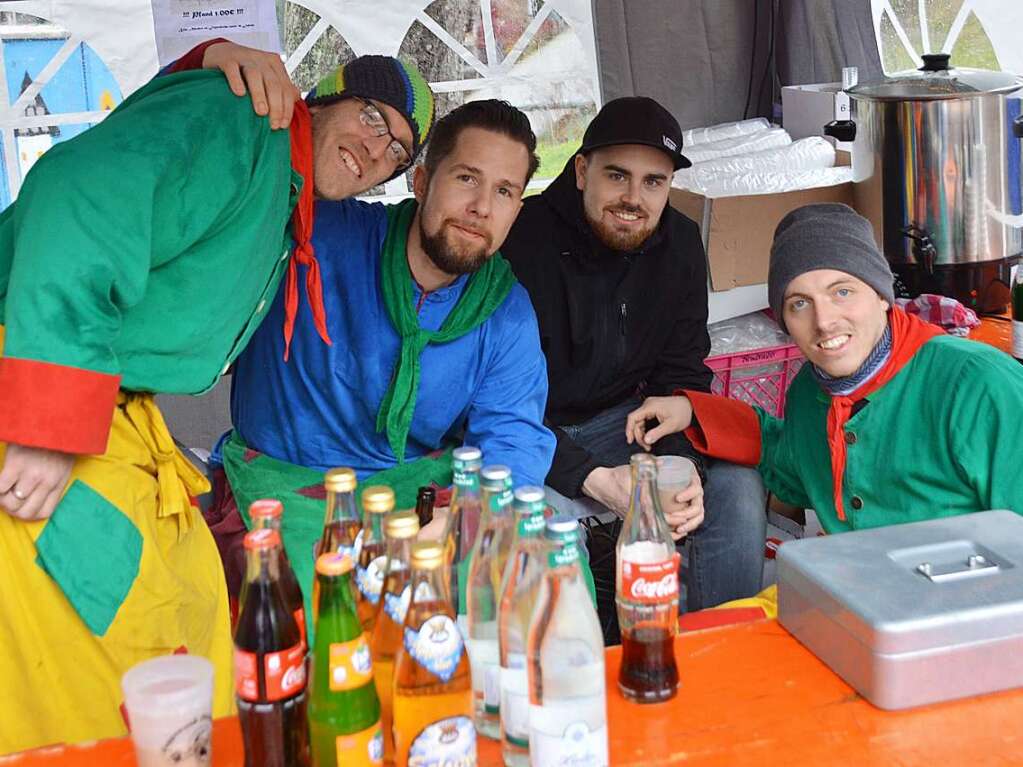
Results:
[619, 239]
[450, 256]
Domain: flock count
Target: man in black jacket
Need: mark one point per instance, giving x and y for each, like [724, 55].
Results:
[619, 283]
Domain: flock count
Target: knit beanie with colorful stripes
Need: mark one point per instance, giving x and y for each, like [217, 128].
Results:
[382, 78]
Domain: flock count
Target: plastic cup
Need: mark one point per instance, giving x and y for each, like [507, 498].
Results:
[169, 701]
[674, 473]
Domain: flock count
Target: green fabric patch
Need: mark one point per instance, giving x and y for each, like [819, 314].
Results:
[92, 551]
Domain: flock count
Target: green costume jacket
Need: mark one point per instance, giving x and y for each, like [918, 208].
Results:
[941, 438]
[141, 254]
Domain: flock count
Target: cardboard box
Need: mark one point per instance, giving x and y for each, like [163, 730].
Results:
[737, 231]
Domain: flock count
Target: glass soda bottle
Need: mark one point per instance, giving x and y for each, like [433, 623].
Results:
[268, 512]
[425, 500]
[432, 690]
[341, 522]
[344, 712]
[400, 529]
[522, 578]
[377, 502]
[567, 694]
[269, 663]
[646, 594]
[486, 572]
[462, 523]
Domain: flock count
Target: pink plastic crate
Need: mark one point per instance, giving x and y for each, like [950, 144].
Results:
[758, 377]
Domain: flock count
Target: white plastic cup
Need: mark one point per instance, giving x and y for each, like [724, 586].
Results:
[169, 702]
[674, 473]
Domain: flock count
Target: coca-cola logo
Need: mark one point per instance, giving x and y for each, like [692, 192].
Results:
[655, 589]
[294, 677]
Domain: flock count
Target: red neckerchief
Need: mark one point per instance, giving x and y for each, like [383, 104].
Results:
[302, 232]
[909, 333]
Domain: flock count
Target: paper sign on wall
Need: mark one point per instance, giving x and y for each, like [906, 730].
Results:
[181, 24]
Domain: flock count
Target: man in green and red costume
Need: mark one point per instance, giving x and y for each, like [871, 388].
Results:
[139, 258]
[889, 421]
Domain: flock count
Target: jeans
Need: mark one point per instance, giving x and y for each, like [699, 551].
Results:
[726, 552]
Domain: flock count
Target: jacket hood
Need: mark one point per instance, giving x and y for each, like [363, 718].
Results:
[567, 202]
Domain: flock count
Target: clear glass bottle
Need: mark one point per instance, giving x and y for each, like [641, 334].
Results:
[646, 595]
[486, 571]
[341, 521]
[522, 578]
[432, 690]
[462, 523]
[567, 693]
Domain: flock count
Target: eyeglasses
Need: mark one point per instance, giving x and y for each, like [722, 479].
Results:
[370, 116]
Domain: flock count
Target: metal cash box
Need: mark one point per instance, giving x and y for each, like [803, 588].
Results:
[915, 613]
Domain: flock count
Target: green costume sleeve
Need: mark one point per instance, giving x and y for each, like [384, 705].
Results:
[985, 430]
[96, 216]
[777, 466]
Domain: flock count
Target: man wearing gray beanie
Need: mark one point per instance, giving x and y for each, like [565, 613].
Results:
[890, 421]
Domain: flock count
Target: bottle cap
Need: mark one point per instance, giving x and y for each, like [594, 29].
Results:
[495, 477]
[403, 524]
[259, 540]
[378, 499]
[561, 529]
[638, 459]
[467, 454]
[334, 564]
[341, 480]
[529, 499]
[266, 508]
[427, 555]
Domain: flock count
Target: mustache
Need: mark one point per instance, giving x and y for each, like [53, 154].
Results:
[468, 227]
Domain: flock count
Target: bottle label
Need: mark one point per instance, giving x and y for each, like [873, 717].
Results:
[370, 579]
[350, 664]
[396, 606]
[563, 556]
[437, 646]
[515, 701]
[499, 501]
[1017, 339]
[361, 749]
[532, 525]
[450, 741]
[650, 582]
[466, 480]
[284, 673]
[574, 745]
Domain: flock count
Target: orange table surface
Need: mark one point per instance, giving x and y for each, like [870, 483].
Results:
[750, 695]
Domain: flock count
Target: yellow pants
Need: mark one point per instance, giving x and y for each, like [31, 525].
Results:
[125, 569]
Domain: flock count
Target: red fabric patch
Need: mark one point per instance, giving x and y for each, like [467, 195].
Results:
[57, 407]
[317, 492]
[181, 650]
[724, 428]
[250, 455]
[707, 619]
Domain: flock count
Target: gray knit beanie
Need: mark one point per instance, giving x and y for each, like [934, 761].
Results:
[825, 235]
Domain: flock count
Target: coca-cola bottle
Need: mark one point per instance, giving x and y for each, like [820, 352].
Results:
[647, 592]
[268, 512]
[269, 663]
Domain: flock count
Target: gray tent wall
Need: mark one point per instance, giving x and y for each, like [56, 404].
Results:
[698, 58]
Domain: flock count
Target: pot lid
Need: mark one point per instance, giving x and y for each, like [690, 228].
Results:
[936, 80]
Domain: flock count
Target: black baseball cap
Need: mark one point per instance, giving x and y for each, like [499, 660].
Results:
[636, 120]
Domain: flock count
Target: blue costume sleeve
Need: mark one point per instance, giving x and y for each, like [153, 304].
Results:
[505, 418]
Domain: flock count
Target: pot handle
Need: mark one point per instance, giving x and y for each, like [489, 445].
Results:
[923, 246]
[1017, 127]
[843, 130]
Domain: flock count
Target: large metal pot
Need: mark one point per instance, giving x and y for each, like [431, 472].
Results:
[932, 173]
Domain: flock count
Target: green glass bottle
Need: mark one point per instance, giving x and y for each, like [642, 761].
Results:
[344, 710]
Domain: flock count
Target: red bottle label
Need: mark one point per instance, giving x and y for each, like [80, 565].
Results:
[284, 674]
[651, 582]
[299, 615]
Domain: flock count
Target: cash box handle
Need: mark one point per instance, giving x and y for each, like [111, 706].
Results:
[975, 565]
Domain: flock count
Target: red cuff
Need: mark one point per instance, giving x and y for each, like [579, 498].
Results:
[56, 407]
[193, 59]
[724, 428]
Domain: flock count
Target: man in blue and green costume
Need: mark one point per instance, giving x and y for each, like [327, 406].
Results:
[139, 258]
[435, 341]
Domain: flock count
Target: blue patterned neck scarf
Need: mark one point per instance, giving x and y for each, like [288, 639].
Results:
[841, 387]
